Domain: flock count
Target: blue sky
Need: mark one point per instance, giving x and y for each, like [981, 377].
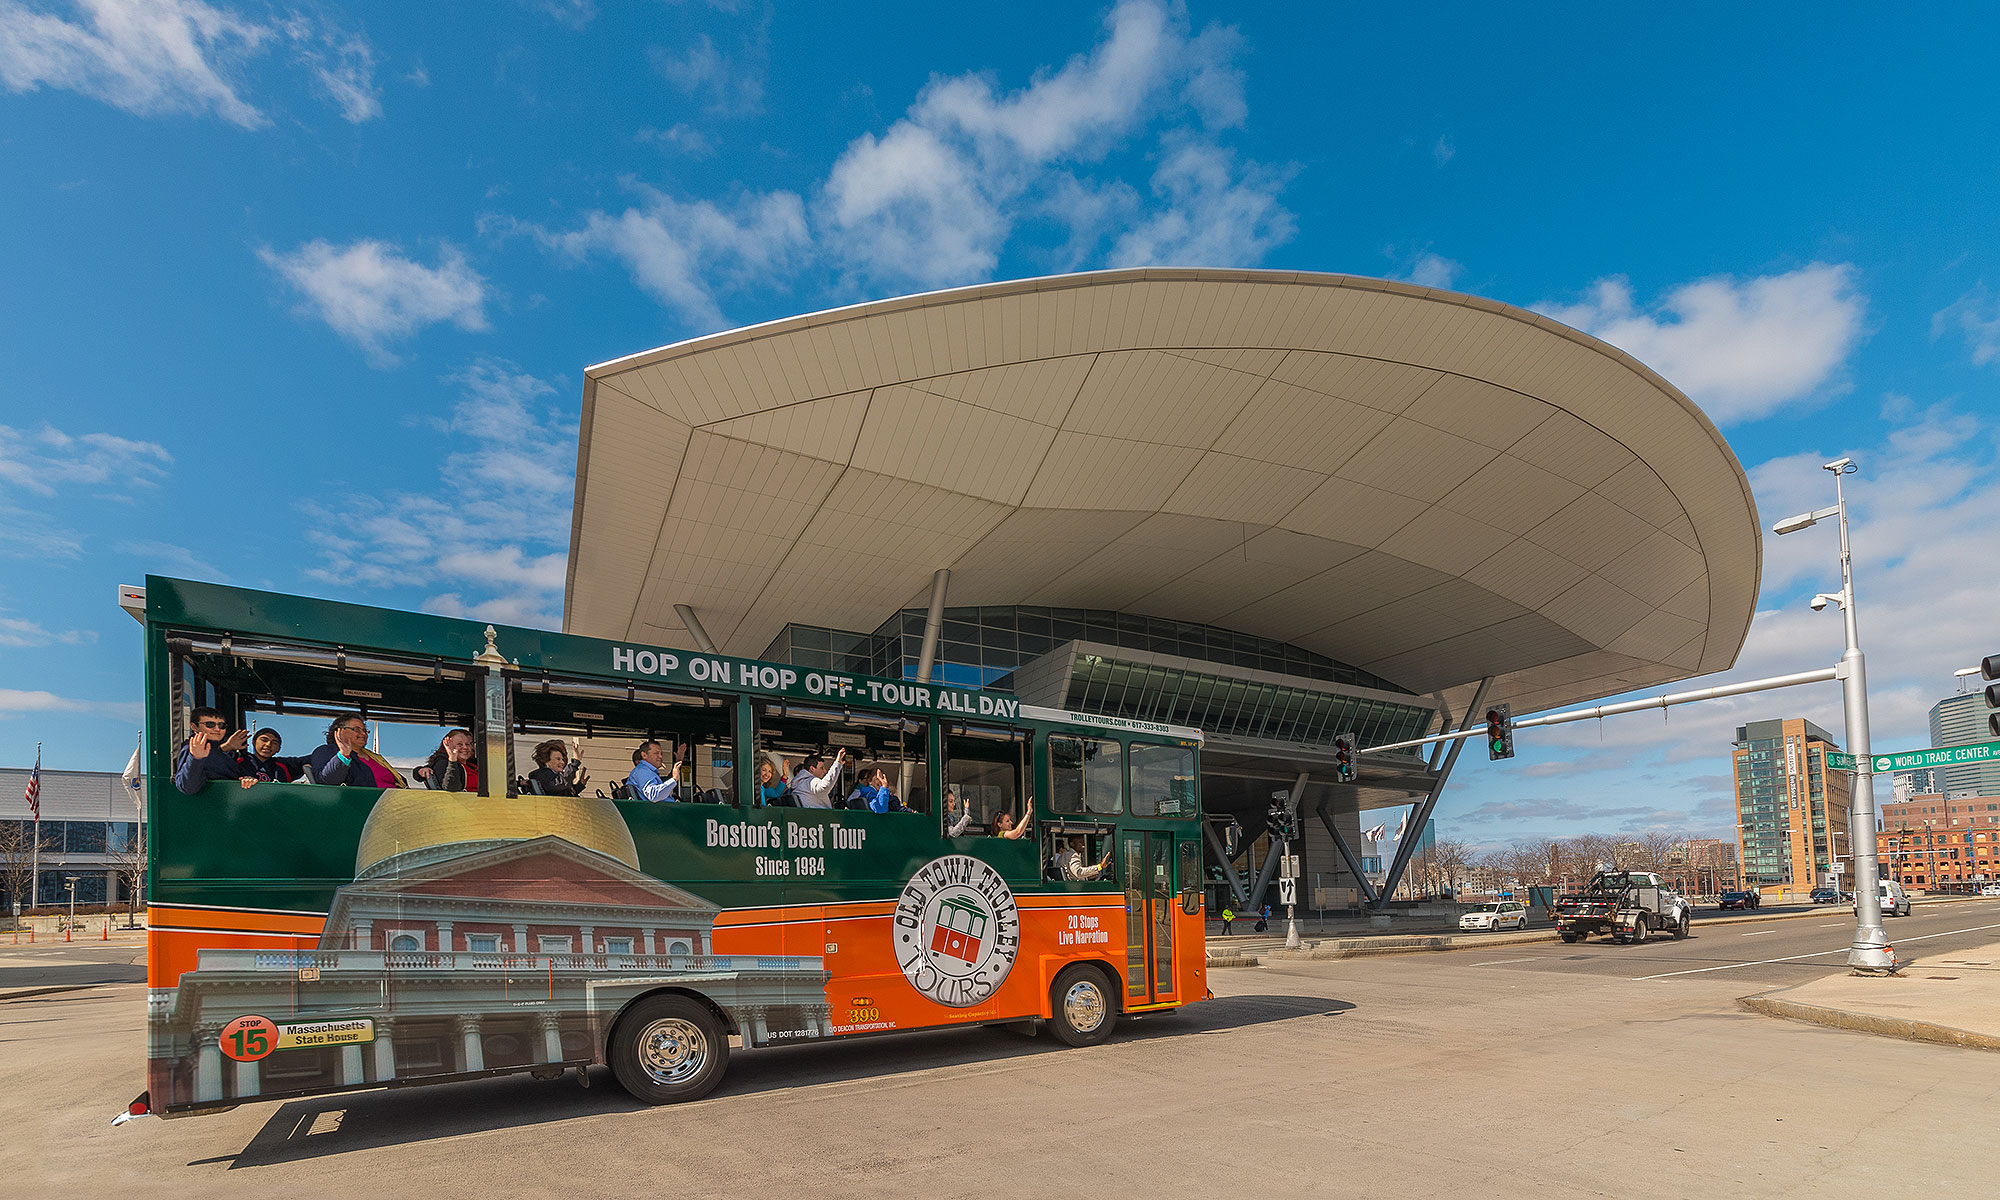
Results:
[298, 296]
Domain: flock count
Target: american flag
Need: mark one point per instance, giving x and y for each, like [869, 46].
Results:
[34, 793]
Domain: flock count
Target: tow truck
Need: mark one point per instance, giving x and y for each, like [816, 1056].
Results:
[1628, 905]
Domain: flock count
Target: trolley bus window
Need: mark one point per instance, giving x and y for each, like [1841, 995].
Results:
[787, 733]
[606, 722]
[1162, 781]
[1086, 775]
[298, 689]
[984, 768]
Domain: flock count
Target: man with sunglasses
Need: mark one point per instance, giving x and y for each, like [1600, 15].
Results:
[210, 752]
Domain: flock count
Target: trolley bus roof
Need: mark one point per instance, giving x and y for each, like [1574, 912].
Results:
[1430, 486]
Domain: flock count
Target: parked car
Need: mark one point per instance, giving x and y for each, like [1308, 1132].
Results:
[1503, 914]
[1738, 900]
[1827, 896]
[1991, 889]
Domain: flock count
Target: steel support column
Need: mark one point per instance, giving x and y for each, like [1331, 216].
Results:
[1414, 831]
[1228, 864]
[1346, 851]
[692, 624]
[1264, 876]
[933, 626]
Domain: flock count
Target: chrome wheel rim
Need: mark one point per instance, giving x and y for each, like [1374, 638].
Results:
[672, 1051]
[1083, 1006]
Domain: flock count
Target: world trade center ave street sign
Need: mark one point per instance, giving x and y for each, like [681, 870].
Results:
[1917, 760]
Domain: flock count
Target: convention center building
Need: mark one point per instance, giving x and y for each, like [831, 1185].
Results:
[1275, 506]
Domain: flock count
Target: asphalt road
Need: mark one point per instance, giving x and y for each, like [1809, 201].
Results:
[1541, 1069]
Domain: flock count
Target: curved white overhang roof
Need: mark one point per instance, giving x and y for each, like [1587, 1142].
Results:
[1431, 486]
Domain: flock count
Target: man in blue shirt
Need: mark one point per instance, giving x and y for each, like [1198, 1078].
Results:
[646, 780]
[208, 754]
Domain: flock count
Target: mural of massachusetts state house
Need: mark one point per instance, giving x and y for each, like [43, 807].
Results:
[481, 953]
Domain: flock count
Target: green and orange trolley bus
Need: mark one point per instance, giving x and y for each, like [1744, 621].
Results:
[307, 937]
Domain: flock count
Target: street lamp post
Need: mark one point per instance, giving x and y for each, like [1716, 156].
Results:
[1870, 952]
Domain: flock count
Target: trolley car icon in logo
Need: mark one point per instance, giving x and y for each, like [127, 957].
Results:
[956, 931]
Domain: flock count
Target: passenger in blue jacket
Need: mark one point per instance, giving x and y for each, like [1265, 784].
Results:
[873, 793]
[210, 752]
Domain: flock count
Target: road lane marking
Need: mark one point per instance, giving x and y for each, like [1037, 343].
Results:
[1760, 933]
[1499, 961]
[1816, 954]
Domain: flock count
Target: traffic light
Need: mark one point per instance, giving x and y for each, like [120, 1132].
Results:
[1989, 668]
[1343, 757]
[1278, 821]
[1500, 732]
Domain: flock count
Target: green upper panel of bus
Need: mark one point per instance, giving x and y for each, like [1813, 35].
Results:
[247, 614]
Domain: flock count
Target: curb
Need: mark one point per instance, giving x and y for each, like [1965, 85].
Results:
[1354, 948]
[1235, 960]
[1896, 1027]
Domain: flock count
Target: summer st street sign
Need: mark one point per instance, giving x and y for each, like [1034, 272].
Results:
[1917, 760]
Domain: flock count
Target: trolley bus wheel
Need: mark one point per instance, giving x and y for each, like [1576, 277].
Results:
[667, 1049]
[1082, 1007]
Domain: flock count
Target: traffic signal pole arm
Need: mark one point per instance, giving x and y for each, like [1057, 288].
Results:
[1611, 710]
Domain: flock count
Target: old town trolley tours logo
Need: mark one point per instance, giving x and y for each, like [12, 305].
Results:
[957, 931]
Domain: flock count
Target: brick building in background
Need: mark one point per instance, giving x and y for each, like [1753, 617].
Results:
[1933, 842]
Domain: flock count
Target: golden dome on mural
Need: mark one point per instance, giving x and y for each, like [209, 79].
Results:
[410, 819]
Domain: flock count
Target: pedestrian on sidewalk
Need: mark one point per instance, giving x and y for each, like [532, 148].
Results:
[1228, 915]
[1263, 919]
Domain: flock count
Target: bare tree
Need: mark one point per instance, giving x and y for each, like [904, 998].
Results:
[17, 862]
[129, 866]
[1453, 860]
[1657, 848]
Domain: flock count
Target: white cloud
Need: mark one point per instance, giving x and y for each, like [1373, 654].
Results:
[154, 57]
[1977, 316]
[494, 528]
[1443, 151]
[1211, 215]
[574, 13]
[370, 294]
[727, 85]
[47, 459]
[343, 64]
[1741, 349]
[17, 632]
[935, 198]
[682, 253]
[155, 554]
[15, 701]
[681, 139]
[1434, 270]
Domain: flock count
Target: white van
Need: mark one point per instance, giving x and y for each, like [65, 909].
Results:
[1895, 901]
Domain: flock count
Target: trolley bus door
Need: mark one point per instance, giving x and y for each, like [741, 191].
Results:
[1146, 865]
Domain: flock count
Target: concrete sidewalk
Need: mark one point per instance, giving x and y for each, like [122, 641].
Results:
[1953, 999]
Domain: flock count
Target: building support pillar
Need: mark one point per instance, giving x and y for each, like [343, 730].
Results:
[933, 626]
[248, 1083]
[1414, 831]
[521, 940]
[692, 623]
[552, 1050]
[1270, 868]
[1346, 851]
[350, 1066]
[1228, 864]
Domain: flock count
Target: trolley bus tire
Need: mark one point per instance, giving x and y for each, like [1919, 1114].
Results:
[1082, 1007]
[669, 1049]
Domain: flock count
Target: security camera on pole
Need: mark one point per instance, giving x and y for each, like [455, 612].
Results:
[1871, 952]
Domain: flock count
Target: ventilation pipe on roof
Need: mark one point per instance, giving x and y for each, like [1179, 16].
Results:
[933, 626]
[702, 641]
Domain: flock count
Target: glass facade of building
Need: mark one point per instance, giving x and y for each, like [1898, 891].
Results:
[983, 647]
[980, 647]
[1239, 707]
